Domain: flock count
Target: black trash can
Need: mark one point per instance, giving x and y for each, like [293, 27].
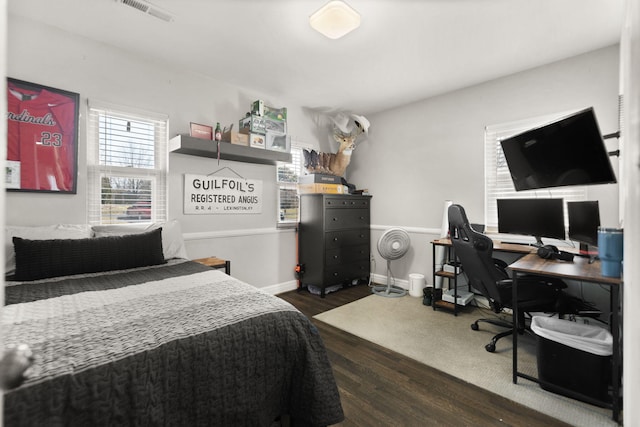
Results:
[573, 356]
[427, 296]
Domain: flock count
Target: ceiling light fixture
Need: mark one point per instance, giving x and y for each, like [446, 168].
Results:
[148, 8]
[335, 19]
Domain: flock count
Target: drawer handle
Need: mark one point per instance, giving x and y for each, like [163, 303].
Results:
[335, 257]
[334, 219]
[335, 239]
[335, 274]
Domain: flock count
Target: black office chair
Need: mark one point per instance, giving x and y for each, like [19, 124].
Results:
[489, 276]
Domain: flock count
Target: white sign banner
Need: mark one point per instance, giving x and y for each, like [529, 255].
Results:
[205, 194]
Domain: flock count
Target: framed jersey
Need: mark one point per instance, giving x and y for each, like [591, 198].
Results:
[42, 138]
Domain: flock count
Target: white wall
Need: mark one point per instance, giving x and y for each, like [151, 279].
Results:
[415, 157]
[419, 155]
[631, 195]
[47, 56]
[3, 156]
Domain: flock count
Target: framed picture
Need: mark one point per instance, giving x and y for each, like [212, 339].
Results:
[201, 131]
[42, 138]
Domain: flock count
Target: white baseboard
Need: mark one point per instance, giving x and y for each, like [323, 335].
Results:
[292, 285]
[279, 288]
[381, 279]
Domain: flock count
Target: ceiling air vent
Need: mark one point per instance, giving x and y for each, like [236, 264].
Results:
[148, 8]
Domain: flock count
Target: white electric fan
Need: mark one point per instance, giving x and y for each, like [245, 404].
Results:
[393, 244]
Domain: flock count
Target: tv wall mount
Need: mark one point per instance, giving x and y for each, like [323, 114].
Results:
[609, 136]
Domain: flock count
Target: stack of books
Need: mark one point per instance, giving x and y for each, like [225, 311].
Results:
[321, 183]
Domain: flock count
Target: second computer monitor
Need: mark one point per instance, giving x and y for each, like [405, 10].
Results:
[584, 220]
[532, 217]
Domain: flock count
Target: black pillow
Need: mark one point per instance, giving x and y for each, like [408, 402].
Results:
[41, 259]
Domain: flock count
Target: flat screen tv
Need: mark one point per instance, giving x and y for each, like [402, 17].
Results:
[569, 151]
[584, 220]
[532, 217]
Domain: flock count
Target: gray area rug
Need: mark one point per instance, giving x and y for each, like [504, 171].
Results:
[446, 342]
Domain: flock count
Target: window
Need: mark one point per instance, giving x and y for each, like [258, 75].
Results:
[498, 183]
[287, 178]
[127, 166]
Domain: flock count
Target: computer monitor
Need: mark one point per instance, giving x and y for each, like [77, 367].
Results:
[584, 220]
[569, 151]
[532, 217]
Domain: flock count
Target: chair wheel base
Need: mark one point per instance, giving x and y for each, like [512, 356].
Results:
[491, 347]
[475, 326]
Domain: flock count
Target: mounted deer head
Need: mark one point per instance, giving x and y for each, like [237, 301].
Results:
[331, 163]
[345, 131]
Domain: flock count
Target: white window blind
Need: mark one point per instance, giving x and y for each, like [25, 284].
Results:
[127, 165]
[498, 183]
[287, 177]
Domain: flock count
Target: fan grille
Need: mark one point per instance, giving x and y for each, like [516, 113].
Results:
[393, 243]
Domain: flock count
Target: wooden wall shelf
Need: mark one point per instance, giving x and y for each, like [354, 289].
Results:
[185, 144]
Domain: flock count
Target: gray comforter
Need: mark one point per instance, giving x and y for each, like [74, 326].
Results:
[178, 344]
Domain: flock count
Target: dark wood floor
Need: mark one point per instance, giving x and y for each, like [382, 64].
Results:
[379, 387]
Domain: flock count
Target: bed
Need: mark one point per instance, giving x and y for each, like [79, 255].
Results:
[172, 342]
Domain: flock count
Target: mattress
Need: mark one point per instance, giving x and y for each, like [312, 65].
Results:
[172, 344]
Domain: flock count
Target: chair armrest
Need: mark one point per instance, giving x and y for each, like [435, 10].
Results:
[500, 263]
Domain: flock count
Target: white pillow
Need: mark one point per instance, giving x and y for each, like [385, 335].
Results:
[172, 242]
[46, 232]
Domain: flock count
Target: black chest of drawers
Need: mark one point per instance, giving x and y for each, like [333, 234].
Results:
[334, 239]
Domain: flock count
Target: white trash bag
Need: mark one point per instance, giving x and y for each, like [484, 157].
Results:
[590, 338]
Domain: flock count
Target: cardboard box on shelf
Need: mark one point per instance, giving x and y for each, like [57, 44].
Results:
[321, 178]
[278, 142]
[252, 124]
[256, 140]
[452, 267]
[272, 113]
[257, 107]
[235, 137]
[322, 188]
[464, 297]
[275, 125]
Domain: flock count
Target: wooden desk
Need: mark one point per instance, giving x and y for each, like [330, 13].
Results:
[214, 262]
[436, 302]
[582, 270]
[498, 246]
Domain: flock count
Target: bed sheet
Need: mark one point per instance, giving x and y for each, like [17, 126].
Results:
[176, 344]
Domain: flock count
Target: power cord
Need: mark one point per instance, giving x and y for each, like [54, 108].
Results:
[372, 261]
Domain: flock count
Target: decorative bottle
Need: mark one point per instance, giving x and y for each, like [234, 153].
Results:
[218, 132]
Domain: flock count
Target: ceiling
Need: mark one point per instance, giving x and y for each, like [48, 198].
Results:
[404, 50]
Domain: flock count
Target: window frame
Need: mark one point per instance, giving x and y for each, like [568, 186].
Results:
[96, 172]
[297, 164]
